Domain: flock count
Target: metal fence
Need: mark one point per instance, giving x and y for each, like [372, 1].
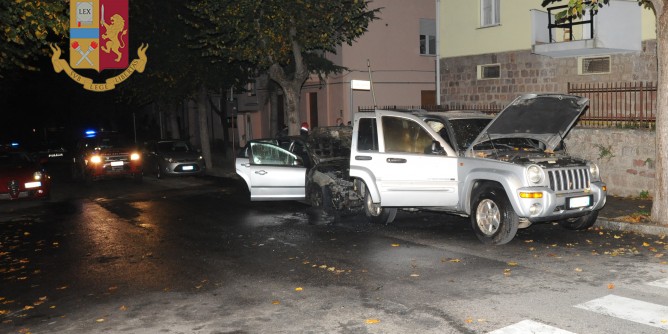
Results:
[618, 105]
[611, 105]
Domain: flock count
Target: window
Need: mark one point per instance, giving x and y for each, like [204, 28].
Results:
[366, 135]
[404, 135]
[427, 37]
[489, 13]
[268, 154]
[594, 65]
[489, 71]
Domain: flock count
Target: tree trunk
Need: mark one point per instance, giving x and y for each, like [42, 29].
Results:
[292, 85]
[172, 119]
[659, 204]
[202, 102]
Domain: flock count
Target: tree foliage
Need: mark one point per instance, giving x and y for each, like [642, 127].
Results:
[27, 28]
[285, 38]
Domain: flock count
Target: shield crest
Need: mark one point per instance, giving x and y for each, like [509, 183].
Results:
[99, 34]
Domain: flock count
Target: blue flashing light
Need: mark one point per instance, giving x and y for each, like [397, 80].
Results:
[90, 133]
[14, 144]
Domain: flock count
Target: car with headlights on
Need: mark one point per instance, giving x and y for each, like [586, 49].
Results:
[22, 177]
[106, 155]
[173, 157]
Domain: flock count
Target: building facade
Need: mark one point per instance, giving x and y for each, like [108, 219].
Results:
[399, 49]
[494, 50]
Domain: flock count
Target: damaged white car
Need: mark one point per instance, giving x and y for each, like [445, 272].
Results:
[313, 169]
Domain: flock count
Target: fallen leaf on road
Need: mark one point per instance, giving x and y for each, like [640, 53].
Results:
[415, 275]
[469, 320]
[28, 307]
[646, 244]
[123, 308]
[100, 320]
[275, 302]
[611, 286]
[455, 260]
[578, 270]
[299, 289]
[372, 321]
[512, 264]
[396, 245]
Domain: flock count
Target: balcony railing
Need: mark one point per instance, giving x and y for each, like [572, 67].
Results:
[568, 24]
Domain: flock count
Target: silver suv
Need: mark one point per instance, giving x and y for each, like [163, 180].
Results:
[504, 173]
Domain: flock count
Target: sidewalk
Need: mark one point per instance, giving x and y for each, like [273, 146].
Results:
[619, 214]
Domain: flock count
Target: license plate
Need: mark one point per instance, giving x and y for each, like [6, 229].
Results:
[187, 167]
[117, 163]
[579, 202]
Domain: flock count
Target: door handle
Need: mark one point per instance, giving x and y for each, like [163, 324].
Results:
[362, 157]
[396, 160]
[246, 165]
[261, 172]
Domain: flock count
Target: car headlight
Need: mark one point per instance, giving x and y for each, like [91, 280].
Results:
[594, 172]
[134, 156]
[535, 174]
[37, 176]
[96, 159]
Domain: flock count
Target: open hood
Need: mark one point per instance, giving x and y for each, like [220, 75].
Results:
[543, 117]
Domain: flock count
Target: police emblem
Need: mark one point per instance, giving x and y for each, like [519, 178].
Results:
[99, 40]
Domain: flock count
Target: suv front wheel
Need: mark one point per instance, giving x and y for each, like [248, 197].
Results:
[492, 216]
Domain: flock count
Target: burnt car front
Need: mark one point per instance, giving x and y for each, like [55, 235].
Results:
[22, 177]
[328, 183]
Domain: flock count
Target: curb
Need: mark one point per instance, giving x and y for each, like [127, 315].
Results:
[657, 230]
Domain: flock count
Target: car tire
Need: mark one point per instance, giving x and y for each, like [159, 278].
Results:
[580, 223]
[375, 213]
[492, 216]
[321, 198]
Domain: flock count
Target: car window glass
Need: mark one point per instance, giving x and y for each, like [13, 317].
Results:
[467, 130]
[440, 128]
[367, 139]
[268, 154]
[405, 135]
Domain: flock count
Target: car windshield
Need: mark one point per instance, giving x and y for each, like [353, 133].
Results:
[466, 130]
[13, 158]
[173, 146]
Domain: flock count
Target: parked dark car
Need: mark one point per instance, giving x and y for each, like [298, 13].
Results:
[173, 157]
[22, 177]
[106, 155]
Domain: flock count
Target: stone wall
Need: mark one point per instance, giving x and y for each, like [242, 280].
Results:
[523, 72]
[625, 157]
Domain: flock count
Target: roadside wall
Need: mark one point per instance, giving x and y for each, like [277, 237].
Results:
[625, 157]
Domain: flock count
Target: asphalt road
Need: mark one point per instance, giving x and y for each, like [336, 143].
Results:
[193, 255]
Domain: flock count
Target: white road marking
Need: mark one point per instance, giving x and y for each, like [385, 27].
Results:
[650, 314]
[662, 283]
[530, 327]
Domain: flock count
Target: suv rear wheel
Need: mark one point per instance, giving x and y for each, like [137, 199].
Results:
[492, 216]
[376, 213]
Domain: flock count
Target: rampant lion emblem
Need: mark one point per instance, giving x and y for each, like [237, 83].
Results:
[115, 42]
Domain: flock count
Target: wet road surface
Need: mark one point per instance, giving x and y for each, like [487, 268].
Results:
[193, 255]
